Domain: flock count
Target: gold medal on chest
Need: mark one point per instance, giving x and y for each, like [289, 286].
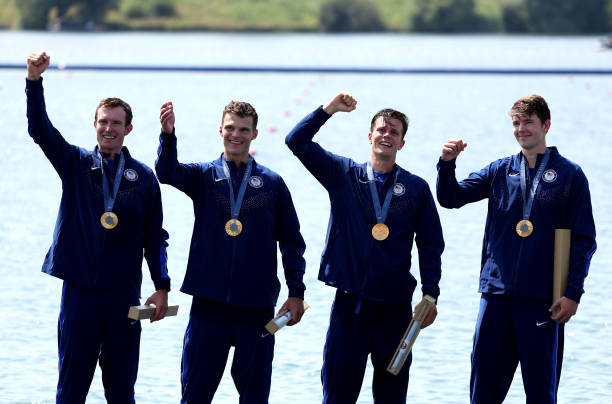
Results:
[380, 231]
[524, 228]
[233, 227]
[109, 220]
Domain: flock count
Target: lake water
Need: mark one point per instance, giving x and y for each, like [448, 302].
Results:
[439, 106]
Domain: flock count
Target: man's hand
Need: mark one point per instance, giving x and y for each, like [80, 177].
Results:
[296, 306]
[37, 64]
[567, 308]
[433, 313]
[342, 102]
[160, 300]
[452, 148]
[166, 117]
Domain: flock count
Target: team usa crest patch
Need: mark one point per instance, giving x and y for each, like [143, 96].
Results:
[130, 175]
[255, 181]
[399, 189]
[549, 175]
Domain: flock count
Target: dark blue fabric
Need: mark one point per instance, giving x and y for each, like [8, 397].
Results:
[82, 251]
[212, 330]
[509, 331]
[380, 177]
[523, 266]
[94, 326]
[239, 270]
[376, 329]
[353, 260]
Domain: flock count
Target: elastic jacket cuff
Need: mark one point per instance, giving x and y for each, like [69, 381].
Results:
[162, 284]
[446, 164]
[573, 293]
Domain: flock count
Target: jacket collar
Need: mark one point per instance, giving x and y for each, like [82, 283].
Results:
[553, 153]
[218, 164]
[96, 163]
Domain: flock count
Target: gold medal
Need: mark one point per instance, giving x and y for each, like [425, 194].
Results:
[380, 231]
[109, 220]
[524, 228]
[233, 227]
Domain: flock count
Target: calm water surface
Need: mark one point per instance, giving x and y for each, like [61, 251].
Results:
[472, 107]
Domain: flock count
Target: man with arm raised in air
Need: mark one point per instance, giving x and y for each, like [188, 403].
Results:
[530, 194]
[243, 211]
[377, 209]
[110, 216]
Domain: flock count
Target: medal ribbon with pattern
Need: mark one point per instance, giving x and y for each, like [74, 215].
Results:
[380, 231]
[109, 219]
[233, 227]
[524, 228]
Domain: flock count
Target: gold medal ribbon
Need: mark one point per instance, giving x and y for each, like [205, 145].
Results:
[524, 228]
[109, 220]
[233, 227]
[380, 231]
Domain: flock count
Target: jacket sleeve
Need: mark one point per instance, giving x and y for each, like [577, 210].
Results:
[55, 147]
[169, 171]
[290, 242]
[430, 244]
[453, 194]
[155, 239]
[583, 245]
[326, 167]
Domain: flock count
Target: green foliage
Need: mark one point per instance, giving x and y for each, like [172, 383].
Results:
[80, 12]
[564, 17]
[350, 16]
[34, 14]
[163, 8]
[134, 8]
[148, 8]
[567, 16]
[397, 14]
[9, 16]
[514, 18]
[448, 16]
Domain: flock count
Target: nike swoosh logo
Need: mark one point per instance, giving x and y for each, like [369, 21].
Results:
[219, 179]
[513, 174]
[541, 323]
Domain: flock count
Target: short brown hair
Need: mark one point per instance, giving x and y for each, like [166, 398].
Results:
[532, 104]
[389, 113]
[114, 103]
[242, 109]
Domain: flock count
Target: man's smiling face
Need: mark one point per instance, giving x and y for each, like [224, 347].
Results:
[386, 136]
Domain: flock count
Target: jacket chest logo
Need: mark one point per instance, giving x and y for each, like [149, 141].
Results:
[255, 181]
[130, 175]
[399, 189]
[549, 175]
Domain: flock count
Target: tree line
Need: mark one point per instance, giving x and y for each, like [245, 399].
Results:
[443, 16]
[462, 16]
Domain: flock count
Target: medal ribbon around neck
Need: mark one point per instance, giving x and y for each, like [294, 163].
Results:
[524, 228]
[380, 231]
[109, 219]
[233, 227]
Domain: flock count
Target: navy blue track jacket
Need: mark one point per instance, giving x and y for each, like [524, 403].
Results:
[83, 252]
[353, 260]
[239, 270]
[523, 266]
